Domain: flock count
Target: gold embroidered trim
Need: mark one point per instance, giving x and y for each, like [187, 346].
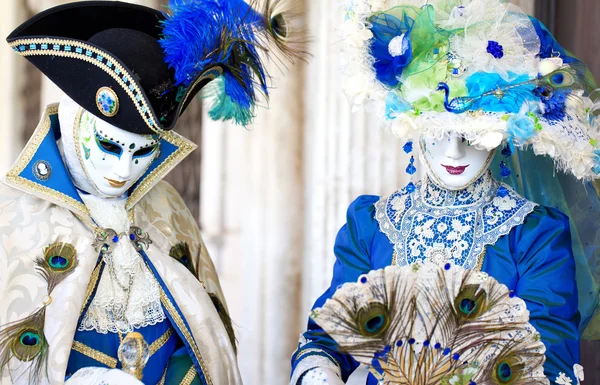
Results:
[164, 376]
[95, 354]
[312, 351]
[189, 376]
[185, 147]
[14, 180]
[480, 260]
[92, 285]
[160, 342]
[394, 258]
[186, 333]
[74, 55]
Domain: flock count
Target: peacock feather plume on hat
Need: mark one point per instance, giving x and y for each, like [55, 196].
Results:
[234, 39]
[482, 69]
[425, 325]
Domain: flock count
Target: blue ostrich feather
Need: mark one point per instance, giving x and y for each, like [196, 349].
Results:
[201, 34]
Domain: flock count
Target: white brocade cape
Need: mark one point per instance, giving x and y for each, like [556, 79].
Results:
[33, 216]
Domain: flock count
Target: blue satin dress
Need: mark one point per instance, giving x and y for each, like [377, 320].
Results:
[533, 258]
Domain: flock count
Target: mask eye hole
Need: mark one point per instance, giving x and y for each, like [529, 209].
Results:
[144, 152]
[110, 147]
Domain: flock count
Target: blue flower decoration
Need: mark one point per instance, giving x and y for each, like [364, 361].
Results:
[520, 127]
[495, 49]
[555, 108]
[395, 105]
[385, 27]
[512, 100]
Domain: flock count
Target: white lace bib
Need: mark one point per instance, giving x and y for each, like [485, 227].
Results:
[128, 295]
[433, 224]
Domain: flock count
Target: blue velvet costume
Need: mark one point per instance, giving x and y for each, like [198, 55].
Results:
[533, 257]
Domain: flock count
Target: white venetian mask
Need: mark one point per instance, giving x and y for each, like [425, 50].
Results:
[453, 162]
[112, 159]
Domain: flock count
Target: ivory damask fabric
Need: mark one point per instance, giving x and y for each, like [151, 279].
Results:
[28, 224]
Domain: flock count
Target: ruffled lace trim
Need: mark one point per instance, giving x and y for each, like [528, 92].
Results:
[128, 294]
[423, 233]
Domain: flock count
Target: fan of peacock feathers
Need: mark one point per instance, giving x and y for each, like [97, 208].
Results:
[425, 325]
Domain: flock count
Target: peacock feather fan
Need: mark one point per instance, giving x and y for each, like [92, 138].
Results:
[24, 339]
[425, 325]
[199, 35]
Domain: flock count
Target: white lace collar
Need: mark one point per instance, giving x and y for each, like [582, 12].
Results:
[437, 225]
[474, 194]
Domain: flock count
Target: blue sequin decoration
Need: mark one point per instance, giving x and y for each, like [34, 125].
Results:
[408, 147]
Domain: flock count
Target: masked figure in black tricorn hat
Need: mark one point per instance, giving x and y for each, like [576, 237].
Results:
[104, 277]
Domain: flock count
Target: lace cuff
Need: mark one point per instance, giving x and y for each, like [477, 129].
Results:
[310, 359]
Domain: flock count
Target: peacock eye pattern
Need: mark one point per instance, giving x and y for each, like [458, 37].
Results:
[25, 339]
[373, 320]
[470, 303]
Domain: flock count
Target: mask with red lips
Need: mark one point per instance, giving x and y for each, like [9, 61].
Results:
[453, 163]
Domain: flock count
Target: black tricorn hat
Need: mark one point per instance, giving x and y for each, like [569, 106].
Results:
[106, 56]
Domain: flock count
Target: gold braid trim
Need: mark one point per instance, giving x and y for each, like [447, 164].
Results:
[480, 260]
[189, 376]
[92, 285]
[160, 342]
[164, 376]
[14, 180]
[139, 104]
[95, 354]
[186, 333]
[313, 351]
[185, 147]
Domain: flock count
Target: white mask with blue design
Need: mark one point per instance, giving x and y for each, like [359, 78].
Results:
[103, 160]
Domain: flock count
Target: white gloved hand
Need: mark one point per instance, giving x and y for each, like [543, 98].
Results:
[102, 376]
[321, 376]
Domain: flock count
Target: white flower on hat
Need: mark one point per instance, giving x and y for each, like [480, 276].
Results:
[490, 140]
[549, 65]
[398, 46]
[359, 89]
[355, 33]
[404, 126]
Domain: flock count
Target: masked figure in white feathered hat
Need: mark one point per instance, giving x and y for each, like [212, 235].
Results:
[470, 84]
[104, 278]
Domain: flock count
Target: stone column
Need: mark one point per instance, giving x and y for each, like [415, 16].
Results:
[252, 221]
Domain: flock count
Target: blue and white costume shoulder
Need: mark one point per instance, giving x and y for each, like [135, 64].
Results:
[487, 227]
[41, 208]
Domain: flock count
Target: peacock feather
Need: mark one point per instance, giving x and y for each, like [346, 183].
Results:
[563, 80]
[199, 35]
[225, 318]
[25, 339]
[430, 325]
[182, 253]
